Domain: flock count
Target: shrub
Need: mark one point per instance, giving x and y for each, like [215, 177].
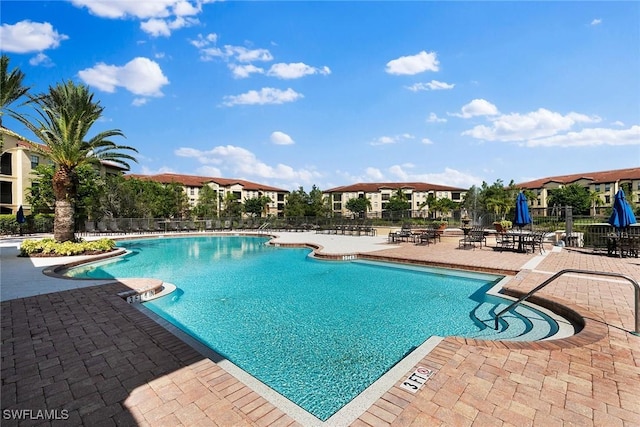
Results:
[8, 224]
[49, 247]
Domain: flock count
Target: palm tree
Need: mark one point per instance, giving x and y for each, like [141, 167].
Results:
[66, 114]
[594, 200]
[11, 89]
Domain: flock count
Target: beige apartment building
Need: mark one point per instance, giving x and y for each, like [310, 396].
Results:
[606, 184]
[17, 162]
[379, 194]
[239, 188]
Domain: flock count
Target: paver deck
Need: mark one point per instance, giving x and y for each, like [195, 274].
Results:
[89, 358]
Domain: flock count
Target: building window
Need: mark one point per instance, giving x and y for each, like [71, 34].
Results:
[607, 187]
[35, 161]
[192, 191]
[607, 199]
[337, 197]
[597, 188]
[5, 164]
[385, 197]
[455, 196]
[6, 195]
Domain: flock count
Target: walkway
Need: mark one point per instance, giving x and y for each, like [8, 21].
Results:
[86, 355]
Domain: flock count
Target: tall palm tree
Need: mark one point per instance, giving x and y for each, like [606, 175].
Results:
[65, 115]
[11, 89]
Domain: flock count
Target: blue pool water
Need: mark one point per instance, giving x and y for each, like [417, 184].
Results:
[317, 332]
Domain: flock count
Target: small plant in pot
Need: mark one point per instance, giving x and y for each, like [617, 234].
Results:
[502, 226]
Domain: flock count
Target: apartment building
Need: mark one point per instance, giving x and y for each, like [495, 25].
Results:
[606, 184]
[239, 188]
[379, 194]
[19, 159]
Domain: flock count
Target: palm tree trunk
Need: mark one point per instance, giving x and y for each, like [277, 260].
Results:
[63, 223]
[65, 188]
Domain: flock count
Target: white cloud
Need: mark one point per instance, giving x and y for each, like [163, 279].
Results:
[596, 21]
[477, 107]
[27, 36]
[140, 76]
[385, 140]
[145, 170]
[242, 54]
[449, 176]
[281, 138]
[139, 102]
[204, 41]
[162, 16]
[208, 51]
[520, 127]
[237, 161]
[433, 118]
[590, 137]
[41, 60]
[427, 141]
[432, 85]
[244, 71]
[618, 123]
[266, 95]
[414, 64]
[295, 70]
[374, 174]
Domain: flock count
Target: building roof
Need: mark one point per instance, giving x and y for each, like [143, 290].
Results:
[201, 181]
[595, 178]
[374, 187]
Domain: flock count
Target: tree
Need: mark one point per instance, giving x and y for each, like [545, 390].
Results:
[207, 206]
[296, 205]
[256, 206]
[496, 198]
[444, 206]
[358, 205]
[11, 90]
[398, 202]
[573, 195]
[595, 201]
[231, 206]
[65, 116]
[317, 204]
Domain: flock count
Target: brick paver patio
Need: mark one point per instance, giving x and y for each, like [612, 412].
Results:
[90, 358]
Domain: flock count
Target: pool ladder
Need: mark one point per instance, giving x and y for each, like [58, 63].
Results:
[593, 273]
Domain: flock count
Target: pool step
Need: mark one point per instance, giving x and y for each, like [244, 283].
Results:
[520, 324]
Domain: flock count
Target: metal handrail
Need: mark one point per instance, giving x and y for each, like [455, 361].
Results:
[571, 270]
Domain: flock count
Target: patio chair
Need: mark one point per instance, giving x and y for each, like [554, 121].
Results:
[102, 227]
[113, 227]
[90, 227]
[505, 241]
[476, 235]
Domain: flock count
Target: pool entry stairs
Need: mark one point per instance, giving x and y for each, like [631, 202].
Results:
[519, 324]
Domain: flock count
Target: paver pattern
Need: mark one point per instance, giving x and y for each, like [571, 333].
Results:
[99, 361]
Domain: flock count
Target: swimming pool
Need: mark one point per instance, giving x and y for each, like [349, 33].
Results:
[317, 332]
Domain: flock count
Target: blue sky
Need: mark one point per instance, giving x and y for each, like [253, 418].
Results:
[295, 93]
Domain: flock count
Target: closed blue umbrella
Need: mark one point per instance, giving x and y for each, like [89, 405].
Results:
[522, 216]
[622, 215]
[20, 216]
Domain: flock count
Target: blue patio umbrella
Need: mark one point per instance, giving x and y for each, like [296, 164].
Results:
[622, 215]
[522, 216]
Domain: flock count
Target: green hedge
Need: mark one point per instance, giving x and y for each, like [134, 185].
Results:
[53, 248]
[39, 223]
